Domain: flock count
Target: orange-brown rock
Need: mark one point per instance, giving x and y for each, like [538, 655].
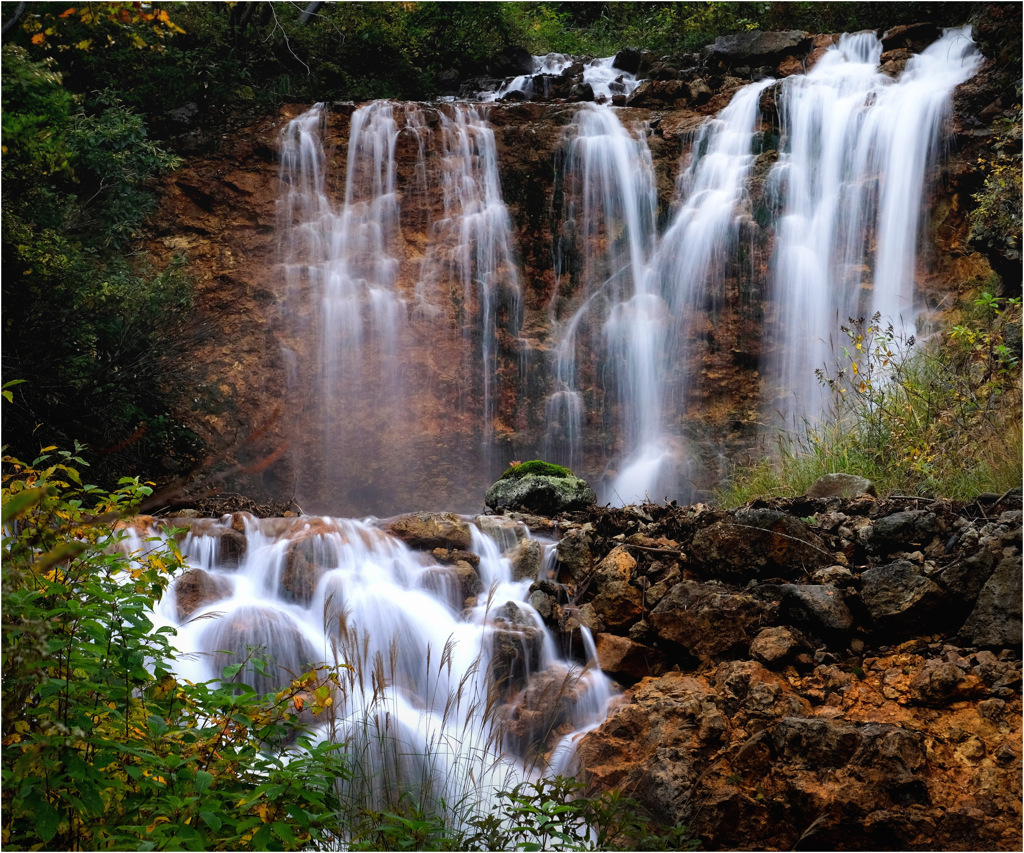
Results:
[752, 760]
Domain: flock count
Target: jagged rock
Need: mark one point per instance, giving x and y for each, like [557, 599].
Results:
[995, 621]
[197, 588]
[707, 621]
[506, 532]
[516, 645]
[899, 598]
[941, 682]
[840, 486]
[628, 60]
[616, 602]
[745, 763]
[820, 607]
[581, 92]
[468, 578]
[575, 555]
[915, 37]
[660, 93]
[511, 62]
[758, 543]
[450, 556]
[540, 713]
[776, 646]
[902, 531]
[301, 571]
[964, 579]
[621, 657]
[429, 530]
[526, 558]
[542, 494]
[757, 47]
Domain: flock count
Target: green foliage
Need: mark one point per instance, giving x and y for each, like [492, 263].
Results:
[943, 419]
[90, 332]
[518, 470]
[548, 814]
[996, 220]
[103, 746]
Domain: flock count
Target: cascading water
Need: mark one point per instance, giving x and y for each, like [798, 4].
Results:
[857, 149]
[448, 698]
[609, 223]
[359, 300]
[471, 246]
[646, 296]
[604, 79]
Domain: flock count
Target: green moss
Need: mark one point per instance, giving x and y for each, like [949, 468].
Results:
[536, 466]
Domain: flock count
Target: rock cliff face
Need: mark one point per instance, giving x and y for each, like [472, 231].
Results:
[811, 673]
[252, 376]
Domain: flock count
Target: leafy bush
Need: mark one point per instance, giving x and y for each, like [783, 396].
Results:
[90, 332]
[103, 746]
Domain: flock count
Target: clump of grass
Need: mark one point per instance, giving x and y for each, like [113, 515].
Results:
[941, 419]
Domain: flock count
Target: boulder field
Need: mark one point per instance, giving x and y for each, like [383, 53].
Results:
[810, 673]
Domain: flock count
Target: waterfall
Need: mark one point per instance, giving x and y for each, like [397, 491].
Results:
[646, 292]
[405, 343]
[857, 150]
[471, 246]
[360, 296]
[447, 698]
[608, 224]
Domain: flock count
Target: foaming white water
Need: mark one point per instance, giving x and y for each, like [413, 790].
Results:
[645, 292]
[442, 700]
[857, 150]
[600, 74]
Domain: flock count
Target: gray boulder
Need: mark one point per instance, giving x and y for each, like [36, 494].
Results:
[541, 494]
[995, 621]
[900, 599]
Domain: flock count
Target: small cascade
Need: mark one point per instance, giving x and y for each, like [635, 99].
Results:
[448, 697]
[604, 79]
[361, 296]
[858, 147]
[608, 235]
[471, 248]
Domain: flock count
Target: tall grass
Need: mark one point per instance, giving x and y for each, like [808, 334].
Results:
[938, 419]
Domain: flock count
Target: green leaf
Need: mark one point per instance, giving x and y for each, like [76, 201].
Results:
[47, 820]
[21, 502]
[203, 780]
[211, 820]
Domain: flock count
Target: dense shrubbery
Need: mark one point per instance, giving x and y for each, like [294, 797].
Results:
[103, 747]
[86, 327]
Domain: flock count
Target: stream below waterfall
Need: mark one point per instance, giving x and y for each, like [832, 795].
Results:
[450, 684]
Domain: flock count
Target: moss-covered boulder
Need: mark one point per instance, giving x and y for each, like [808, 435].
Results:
[541, 488]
